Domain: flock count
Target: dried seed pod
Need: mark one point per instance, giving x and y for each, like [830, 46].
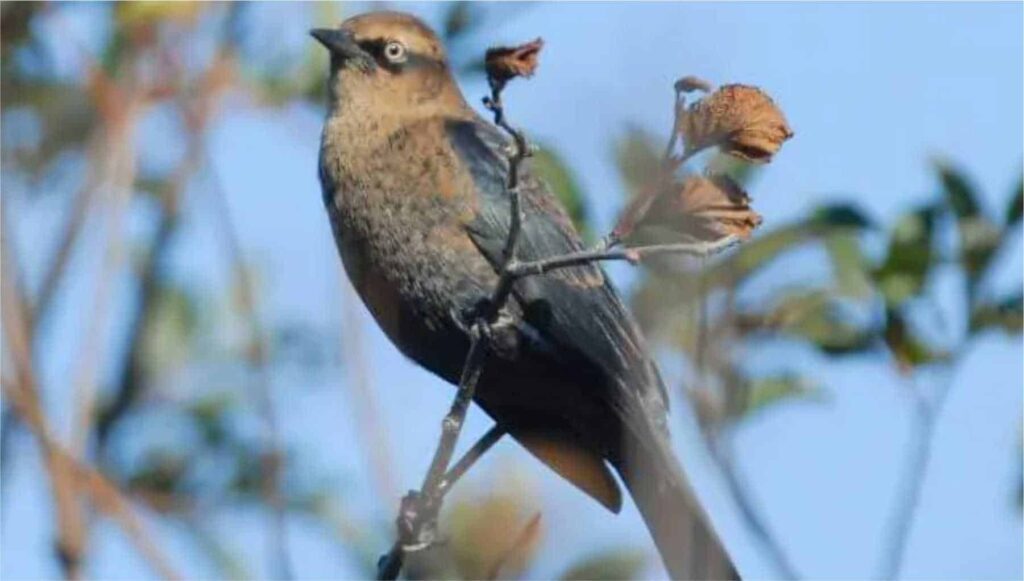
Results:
[697, 208]
[742, 120]
[505, 63]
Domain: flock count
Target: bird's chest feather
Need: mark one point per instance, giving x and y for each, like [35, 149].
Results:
[398, 211]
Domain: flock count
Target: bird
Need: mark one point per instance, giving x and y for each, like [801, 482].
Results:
[415, 184]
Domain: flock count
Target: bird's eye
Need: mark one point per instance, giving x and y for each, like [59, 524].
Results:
[394, 51]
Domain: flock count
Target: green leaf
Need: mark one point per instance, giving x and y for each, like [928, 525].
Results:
[610, 565]
[849, 267]
[172, 324]
[1006, 314]
[979, 236]
[908, 349]
[841, 215]
[817, 318]
[552, 169]
[959, 193]
[638, 158]
[909, 258]
[1013, 211]
[459, 19]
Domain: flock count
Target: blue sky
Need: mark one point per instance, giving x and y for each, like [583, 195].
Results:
[872, 90]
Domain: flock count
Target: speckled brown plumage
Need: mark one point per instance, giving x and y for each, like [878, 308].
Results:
[414, 182]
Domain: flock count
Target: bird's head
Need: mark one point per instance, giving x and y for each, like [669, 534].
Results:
[388, 60]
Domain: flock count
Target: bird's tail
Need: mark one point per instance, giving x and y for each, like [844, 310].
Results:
[682, 532]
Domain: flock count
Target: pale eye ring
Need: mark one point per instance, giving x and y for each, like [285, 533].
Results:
[394, 51]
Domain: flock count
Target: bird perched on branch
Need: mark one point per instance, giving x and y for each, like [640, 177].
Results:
[415, 185]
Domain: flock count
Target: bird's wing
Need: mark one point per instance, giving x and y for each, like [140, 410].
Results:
[575, 308]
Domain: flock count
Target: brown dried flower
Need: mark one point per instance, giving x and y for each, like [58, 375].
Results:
[505, 63]
[697, 208]
[742, 120]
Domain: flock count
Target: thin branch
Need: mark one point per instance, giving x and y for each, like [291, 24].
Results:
[926, 416]
[70, 537]
[68, 237]
[122, 180]
[631, 255]
[258, 353]
[470, 458]
[755, 522]
[104, 494]
[65, 472]
[417, 520]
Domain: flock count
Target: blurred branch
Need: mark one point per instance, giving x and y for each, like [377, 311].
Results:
[70, 541]
[122, 162]
[68, 237]
[755, 523]
[65, 473]
[257, 354]
[908, 498]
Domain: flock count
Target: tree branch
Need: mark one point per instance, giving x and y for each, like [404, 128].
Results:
[417, 518]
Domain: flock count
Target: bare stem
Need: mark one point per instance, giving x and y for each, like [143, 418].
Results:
[926, 415]
[417, 518]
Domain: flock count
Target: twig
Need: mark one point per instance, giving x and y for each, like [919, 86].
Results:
[471, 456]
[754, 520]
[65, 472]
[104, 494]
[122, 173]
[68, 237]
[926, 417]
[417, 519]
[631, 255]
[272, 458]
[391, 563]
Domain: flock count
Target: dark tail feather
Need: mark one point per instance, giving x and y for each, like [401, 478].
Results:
[688, 545]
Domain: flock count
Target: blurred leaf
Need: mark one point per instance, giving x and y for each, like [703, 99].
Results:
[909, 258]
[610, 565]
[979, 236]
[907, 348]
[841, 215]
[161, 472]
[1013, 211]
[209, 414]
[135, 14]
[693, 208]
[552, 169]
[524, 544]
[741, 171]
[1006, 314]
[167, 340]
[849, 267]
[460, 19]
[484, 528]
[638, 158]
[764, 392]
[815, 317]
[960, 195]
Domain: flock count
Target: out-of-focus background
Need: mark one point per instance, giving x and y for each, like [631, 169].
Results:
[191, 387]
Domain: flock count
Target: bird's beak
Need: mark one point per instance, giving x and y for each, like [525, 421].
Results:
[343, 44]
